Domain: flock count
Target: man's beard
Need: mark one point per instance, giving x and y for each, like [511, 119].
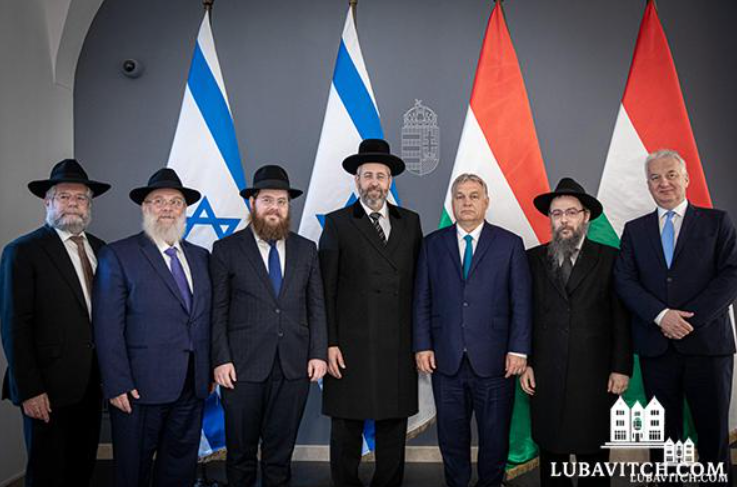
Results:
[561, 247]
[166, 232]
[73, 223]
[375, 203]
[268, 231]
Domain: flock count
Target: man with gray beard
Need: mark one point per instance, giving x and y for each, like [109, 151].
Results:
[45, 310]
[151, 320]
[581, 347]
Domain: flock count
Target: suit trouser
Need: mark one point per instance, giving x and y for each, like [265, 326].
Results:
[270, 411]
[346, 443]
[706, 383]
[171, 431]
[459, 396]
[63, 451]
[546, 469]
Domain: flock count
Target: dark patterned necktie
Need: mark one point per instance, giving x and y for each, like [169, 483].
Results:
[180, 278]
[566, 268]
[375, 216]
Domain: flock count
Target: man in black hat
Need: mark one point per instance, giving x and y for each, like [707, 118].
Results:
[151, 316]
[581, 347]
[269, 337]
[368, 253]
[45, 312]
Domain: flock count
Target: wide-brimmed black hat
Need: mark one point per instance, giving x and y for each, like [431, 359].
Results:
[67, 171]
[569, 187]
[270, 177]
[165, 178]
[374, 150]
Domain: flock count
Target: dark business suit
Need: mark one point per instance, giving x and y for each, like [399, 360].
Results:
[148, 340]
[47, 338]
[471, 325]
[702, 279]
[269, 339]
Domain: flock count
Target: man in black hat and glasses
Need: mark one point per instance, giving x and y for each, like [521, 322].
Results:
[581, 356]
[45, 307]
[368, 253]
[269, 337]
[151, 316]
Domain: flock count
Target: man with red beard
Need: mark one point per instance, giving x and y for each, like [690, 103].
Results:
[151, 317]
[45, 311]
[269, 337]
[581, 356]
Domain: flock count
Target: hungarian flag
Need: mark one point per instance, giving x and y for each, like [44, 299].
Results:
[499, 143]
[652, 116]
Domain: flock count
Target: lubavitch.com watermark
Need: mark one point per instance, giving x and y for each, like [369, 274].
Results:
[639, 428]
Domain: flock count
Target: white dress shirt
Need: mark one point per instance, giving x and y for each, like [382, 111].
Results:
[384, 222]
[162, 246]
[678, 213]
[73, 252]
[264, 248]
[475, 235]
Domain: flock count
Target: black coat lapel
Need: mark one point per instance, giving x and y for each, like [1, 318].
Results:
[552, 273]
[290, 262]
[362, 221]
[54, 247]
[250, 249]
[149, 249]
[652, 228]
[451, 242]
[690, 219]
[585, 263]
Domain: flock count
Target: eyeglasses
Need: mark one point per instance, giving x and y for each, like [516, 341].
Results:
[66, 198]
[159, 203]
[269, 201]
[570, 213]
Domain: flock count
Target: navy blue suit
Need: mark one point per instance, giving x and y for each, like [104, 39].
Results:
[702, 279]
[148, 340]
[471, 325]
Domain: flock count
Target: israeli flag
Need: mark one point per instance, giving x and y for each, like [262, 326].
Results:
[206, 157]
[350, 117]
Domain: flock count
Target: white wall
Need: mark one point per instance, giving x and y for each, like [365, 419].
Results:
[36, 130]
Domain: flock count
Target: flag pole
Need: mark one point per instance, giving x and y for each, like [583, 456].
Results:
[207, 4]
[354, 6]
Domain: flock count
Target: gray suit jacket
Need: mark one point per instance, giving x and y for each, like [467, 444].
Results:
[250, 324]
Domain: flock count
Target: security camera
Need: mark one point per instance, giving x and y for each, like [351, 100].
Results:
[132, 68]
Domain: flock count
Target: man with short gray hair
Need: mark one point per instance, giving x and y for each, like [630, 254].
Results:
[45, 307]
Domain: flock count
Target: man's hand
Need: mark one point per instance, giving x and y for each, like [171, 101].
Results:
[674, 324]
[225, 375]
[425, 361]
[617, 383]
[335, 362]
[515, 365]
[38, 407]
[316, 369]
[527, 381]
[121, 402]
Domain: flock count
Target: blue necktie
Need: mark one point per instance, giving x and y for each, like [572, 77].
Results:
[274, 267]
[467, 256]
[668, 238]
[180, 277]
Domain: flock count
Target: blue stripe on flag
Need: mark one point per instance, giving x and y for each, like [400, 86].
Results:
[211, 103]
[369, 434]
[213, 422]
[355, 96]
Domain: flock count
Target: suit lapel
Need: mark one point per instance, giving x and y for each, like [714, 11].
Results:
[585, 263]
[196, 270]
[485, 238]
[451, 242]
[54, 247]
[290, 263]
[250, 249]
[690, 219]
[152, 254]
[552, 274]
[652, 229]
[362, 222]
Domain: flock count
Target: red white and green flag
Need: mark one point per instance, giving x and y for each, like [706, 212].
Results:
[652, 116]
[499, 143]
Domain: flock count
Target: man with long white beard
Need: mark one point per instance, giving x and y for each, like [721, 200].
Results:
[45, 308]
[152, 328]
[581, 356]
[269, 336]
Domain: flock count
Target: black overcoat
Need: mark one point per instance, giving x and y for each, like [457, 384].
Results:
[581, 334]
[368, 304]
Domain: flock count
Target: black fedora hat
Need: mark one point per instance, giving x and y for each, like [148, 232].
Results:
[67, 171]
[165, 178]
[374, 150]
[270, 177]
[569, 187]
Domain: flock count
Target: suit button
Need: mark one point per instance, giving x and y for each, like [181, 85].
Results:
[281, 334]
[463, 325]
[465, 305]
[91, 345]
[669, 279]
[277, 311]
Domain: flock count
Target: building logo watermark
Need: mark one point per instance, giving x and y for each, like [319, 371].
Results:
[420, 140]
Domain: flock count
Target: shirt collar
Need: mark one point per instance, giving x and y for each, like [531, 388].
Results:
[679, 210]
[260, 241]
[163, 246]
[64, 235]
[384, 211]
[475, 233]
